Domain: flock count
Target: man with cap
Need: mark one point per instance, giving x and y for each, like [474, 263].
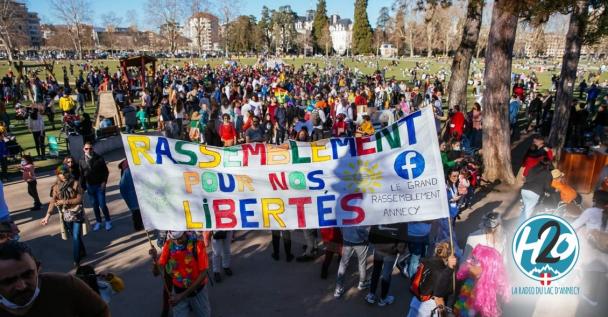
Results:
[567, 194]
[184, 258]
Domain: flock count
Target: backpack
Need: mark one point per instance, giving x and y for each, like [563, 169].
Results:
[421, 285]
[315, 118]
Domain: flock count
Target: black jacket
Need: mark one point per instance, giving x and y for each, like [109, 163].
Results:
[93, 172]
[538, 180]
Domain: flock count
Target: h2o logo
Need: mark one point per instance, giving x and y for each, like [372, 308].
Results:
[545, 248]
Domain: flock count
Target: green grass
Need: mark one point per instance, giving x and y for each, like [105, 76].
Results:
[434, 65]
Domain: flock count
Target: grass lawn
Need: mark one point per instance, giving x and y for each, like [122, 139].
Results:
[433, 66]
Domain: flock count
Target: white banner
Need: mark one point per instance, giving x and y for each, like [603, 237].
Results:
[394, 176]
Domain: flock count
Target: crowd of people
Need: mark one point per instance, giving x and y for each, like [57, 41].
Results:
[233, 103]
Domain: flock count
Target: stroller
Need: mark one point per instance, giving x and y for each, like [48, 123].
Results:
[71, 124]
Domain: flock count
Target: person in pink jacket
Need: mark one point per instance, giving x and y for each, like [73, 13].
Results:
[29, 176]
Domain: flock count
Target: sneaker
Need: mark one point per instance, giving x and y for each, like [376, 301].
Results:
[275, 256]
[339, 292]
[386, 301]
[370, 298]
[363, 285]
[216, 277]
[108, 225]
[228, 271]
[96, 226]
[36, 208]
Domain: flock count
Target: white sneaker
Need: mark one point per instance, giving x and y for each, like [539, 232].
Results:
[96, 226]
[339, 292]
[386, 301]
[363, 285]
[108, 225]
[370, 298]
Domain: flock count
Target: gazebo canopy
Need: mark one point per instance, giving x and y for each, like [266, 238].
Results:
[137, 61]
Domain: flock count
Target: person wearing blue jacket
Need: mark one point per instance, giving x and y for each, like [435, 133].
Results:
[453, 198]
[127, 191]
[356, 240]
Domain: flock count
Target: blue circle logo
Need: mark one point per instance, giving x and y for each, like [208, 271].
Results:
[545, 248]
[409, 164]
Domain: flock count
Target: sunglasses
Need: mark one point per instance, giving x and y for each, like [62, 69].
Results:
[88, 148]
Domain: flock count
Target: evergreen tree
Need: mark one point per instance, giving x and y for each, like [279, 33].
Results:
[362, 31]
[320, 28]
[265, 27]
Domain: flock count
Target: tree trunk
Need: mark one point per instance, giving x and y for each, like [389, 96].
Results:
[565, 88]
[429, 40]
[411, 38]
[457, 86]
[496, 130]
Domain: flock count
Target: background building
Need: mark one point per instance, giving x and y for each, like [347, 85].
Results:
[203, 30]
[341, 31]
[24, 26]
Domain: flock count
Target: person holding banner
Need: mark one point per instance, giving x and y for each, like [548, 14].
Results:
[220, 244]
[184, 258]
[356, 241]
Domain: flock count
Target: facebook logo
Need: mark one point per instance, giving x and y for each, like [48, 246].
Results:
[409, 164]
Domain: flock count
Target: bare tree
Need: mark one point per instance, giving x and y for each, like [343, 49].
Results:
[11, 33]
[111, 21]
[166, 15]
[132, 18]
[75, 13]
[228, 11]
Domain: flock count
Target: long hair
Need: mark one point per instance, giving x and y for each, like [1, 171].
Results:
[492, 283]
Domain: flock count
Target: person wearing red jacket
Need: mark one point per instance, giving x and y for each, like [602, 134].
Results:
[227, 131]
[340, 127]
[537, 151]
[457, 123]
[332, 239]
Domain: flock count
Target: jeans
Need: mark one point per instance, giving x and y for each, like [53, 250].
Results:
[382, 270]
[221, 252]
[417, 246]
[280, 137]
[198, 304]
[129, 129]
[276, 240]
[80, 99]
[530, 199]
[97, 194]
[74, 229]
[598, 133]
[311, 241]
[4, 166]
[347, 253]
[33, 191]
[39, 142]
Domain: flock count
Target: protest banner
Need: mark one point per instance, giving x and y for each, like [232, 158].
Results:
[394, 176]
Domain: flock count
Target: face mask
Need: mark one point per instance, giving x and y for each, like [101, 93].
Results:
[23, 162]
[10, 305]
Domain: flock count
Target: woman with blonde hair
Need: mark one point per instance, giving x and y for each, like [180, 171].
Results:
[67, 197]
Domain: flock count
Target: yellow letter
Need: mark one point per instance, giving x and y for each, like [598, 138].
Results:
[277, 155]
[266, 211]
[315, 147]
[215, 161]
[189, 223]
[134, 141]
[191, 178]
[242, 181]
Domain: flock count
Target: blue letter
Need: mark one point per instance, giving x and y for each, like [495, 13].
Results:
[411, 130]
[335, 143]
[162, 148]
[223, 187]
[322, 211]
[246, 213]
[311, 177]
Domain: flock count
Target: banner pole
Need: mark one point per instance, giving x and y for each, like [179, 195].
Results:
[156, 262]
[452, 248]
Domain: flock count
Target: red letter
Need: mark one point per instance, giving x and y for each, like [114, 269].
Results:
[300, 202]
[274, 181]
[360, 142]
[259, 149]
[356, 209]
[225, 213]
